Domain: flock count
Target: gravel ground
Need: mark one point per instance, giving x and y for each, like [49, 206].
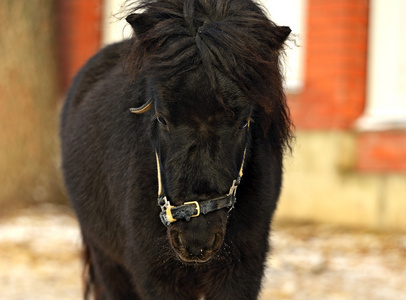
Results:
[40, 252]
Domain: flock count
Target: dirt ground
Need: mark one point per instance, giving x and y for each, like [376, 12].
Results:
[39, 259]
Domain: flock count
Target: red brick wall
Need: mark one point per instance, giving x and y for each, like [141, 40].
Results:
[335, 65]
[382, 151]
[334, 92]
[79, 35]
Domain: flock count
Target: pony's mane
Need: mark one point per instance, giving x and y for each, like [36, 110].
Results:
[232, 36]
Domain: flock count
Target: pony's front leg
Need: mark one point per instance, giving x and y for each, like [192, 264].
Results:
[107, 280]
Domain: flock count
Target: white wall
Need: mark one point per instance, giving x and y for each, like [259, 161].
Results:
[115, 28]
[386, 91]
[291, 13]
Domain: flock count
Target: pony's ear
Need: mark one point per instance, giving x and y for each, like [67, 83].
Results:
[281, 33]
[140, 23]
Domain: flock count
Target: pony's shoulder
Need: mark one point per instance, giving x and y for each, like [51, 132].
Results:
[95, 69]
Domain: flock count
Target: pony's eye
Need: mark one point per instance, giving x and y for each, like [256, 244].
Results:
[244, 124]
[162, 121]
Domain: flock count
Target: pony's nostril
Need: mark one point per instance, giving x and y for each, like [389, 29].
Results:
[218, 241]
[176, 239]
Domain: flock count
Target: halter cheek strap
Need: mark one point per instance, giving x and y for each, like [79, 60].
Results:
[170, 214]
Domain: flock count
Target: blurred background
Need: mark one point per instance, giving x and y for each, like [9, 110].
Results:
[346, 85]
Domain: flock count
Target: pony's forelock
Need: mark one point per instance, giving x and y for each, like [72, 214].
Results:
[233, 37]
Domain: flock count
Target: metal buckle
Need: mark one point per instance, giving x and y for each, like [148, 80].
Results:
[163, 203]
[197, 208]
[166, 214]
[233, 189]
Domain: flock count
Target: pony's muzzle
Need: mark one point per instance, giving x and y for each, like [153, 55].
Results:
[192, 248]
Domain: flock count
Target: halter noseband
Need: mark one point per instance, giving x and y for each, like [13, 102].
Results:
[170, 214]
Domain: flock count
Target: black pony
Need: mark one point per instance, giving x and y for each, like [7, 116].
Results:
[179, 113]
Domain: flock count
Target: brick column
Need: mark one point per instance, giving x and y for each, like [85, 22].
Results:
[79, 35]
[335, 65]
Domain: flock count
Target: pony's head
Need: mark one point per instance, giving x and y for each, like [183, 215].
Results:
[210, 68]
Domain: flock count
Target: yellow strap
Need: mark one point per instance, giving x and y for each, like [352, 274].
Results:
[169, 216]
[243, 160]
[142, 109]
[243, 157]
[158, 166]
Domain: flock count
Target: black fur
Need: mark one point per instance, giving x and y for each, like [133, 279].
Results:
[210, 67]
